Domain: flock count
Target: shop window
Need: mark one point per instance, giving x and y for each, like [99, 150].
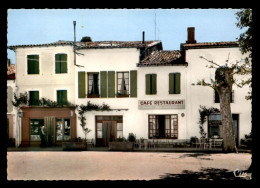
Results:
[61, 63]
[93, 84]
[34, 98]
[215, 125]
[151, 84]
[35, 129]
[123, 84]
[33, 64]
[163, 126]
[62, 97]
[62, 129]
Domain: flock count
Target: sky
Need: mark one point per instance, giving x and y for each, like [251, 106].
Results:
[39, 26]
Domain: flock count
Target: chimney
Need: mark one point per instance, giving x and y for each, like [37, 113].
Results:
[86, 39]
[143, 37]
[74, 23]
[191, 35]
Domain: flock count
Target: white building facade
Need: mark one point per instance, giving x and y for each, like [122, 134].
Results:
[149, 90]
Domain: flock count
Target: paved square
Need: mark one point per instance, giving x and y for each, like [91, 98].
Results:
[115, 165]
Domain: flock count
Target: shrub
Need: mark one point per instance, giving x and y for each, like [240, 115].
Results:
[123, 139]
[131, 137]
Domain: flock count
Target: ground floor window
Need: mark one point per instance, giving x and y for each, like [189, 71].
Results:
[108, 128]
[62, 129]
[163, 126]
[215, 126]
[35, 129]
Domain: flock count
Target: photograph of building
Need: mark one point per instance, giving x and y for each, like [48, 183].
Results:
[148, 89]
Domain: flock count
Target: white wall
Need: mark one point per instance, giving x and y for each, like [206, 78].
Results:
[47, 82]
[134, 120]
[199, 95]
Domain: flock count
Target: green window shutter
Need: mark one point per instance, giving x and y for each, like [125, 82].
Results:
[154, 83]
[62, 97]
[34, 98]
[171, 83]
[147, 84]
[133, 83]
[103, 83]
[177, 83]
[33, 64]
[63, 63]
[81, 84]
[36, 64]
[111, 84]
[57, 63]
[30, 64]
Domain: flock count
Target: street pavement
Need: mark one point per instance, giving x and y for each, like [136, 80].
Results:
[103, 165]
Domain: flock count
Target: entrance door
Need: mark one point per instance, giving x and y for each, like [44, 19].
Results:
[109, 132]
[161, 121]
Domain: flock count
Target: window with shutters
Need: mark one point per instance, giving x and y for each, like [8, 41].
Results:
[93, 85]
[33, 64]
[61, 63]
[34, 98]
[62, 97]
[174, 83]
[151, 84]
[216, 97]
[122, 84]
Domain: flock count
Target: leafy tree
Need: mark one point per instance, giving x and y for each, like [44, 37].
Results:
[244, 17]
[223, 83]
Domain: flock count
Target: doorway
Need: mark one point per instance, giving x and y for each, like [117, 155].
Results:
[109, 132]
[161, 125]
[108, 128]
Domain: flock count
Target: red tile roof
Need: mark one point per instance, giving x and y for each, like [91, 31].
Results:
[210, 45]
[163, 57]
[95, 44]
[10, 69]
[11, 72]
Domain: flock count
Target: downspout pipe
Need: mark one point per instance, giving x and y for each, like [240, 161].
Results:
[74, 44]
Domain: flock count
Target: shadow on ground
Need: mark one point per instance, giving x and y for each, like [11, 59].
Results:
[208, 174]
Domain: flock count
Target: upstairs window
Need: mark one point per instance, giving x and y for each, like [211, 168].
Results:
[123, 84]
[174, 83]
[216, 97]
[62, 97]
[61, 63]
[151, 84]
[93, 84]
[33, 64]
[34, 98]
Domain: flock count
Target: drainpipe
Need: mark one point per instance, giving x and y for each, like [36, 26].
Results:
[74, 44]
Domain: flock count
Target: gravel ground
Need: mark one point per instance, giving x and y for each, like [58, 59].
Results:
[116, 165]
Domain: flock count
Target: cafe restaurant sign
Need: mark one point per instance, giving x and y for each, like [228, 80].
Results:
[160, 104]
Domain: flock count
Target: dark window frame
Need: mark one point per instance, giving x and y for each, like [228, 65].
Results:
[33, 64]
[60, 67]
[118, 93]
[173, 131]
[62, 102]
[89, 94]
[34, 102]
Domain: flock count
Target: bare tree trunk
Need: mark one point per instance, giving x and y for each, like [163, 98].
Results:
[229, 144]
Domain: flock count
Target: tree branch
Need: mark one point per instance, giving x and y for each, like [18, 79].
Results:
[209, 61]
